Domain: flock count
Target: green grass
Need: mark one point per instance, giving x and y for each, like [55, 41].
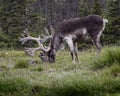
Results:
[37, 68]
[109, 57]
[22, 64]
[61, 78]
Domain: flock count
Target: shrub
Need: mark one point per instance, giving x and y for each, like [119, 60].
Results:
[12, 85]
[84, 87]
[21, 64]
[3, 67]
[113, 71]
[108, 58]
[38, 68]
[2, 54]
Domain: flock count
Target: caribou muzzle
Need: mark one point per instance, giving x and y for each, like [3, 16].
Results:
[47, 57]
[43, 57]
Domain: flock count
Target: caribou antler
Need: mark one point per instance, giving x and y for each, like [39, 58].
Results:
[31, 51]
[39, 40]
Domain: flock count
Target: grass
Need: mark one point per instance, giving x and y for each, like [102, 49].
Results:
[109, 57]
[22, 64]
[37, 68]
[61, 78]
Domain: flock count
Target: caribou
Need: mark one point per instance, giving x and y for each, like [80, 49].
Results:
[72, 31]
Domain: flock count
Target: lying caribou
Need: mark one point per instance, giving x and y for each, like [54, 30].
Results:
[72, 31]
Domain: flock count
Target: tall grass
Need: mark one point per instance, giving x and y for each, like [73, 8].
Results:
[108, 58]
[74, 86]
[12, 86]
[22, 64]
[69, 86]
[18, 87]
[62, 78]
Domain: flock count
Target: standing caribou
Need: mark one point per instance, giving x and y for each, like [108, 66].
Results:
[72, 31]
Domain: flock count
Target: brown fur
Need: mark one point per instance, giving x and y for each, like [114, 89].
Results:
[92, 23]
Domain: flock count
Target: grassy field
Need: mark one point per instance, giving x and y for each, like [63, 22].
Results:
[21, 75]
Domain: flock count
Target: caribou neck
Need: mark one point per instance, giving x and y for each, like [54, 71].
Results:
[56, 42]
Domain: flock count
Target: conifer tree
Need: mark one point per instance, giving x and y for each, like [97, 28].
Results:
[83, 9]
[113, 28]
[96, 9]
[14, 18]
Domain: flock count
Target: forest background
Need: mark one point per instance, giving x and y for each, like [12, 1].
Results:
[34, 15]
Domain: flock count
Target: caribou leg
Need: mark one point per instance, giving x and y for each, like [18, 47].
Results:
[99, 46]
[72, 48]
[97, 43]
[76, 51]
